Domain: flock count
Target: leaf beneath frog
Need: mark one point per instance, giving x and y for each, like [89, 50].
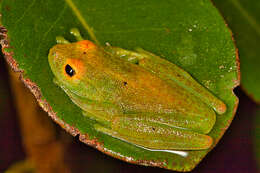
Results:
[243, 17]
[189, 33]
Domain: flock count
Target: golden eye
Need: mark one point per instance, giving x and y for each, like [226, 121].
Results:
[69, 70]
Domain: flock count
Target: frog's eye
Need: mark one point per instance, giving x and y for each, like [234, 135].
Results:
[69, 70]
[74, 69]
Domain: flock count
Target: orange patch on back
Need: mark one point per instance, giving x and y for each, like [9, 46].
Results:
[86, 44]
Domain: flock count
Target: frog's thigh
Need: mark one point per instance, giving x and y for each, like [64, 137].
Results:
[171, 72]
[189, 121]
[155, 136]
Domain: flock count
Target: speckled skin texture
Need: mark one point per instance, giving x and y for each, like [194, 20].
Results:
[136, 96]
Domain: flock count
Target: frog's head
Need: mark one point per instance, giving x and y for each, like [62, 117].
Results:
[68, 64]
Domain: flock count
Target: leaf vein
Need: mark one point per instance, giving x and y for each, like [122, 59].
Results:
[25, 11]
[82, 20]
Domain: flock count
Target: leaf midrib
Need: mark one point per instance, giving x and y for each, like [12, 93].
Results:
[82, 20]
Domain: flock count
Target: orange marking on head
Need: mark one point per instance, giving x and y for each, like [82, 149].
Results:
[78, 67]
[86, 44]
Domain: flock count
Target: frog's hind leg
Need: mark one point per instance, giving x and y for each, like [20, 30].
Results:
[170, 73]
[155, 136]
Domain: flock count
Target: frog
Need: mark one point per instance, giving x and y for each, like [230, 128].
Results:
[134, 95]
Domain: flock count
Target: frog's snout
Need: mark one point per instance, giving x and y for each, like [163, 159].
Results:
[54, 61]
[53, 56]
[52, 53]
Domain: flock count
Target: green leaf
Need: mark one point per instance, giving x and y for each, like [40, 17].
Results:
[189, 33]
[243, 17]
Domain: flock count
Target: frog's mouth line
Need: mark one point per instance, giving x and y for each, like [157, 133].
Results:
[64, 88]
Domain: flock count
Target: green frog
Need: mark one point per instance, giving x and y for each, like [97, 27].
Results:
[135, 96]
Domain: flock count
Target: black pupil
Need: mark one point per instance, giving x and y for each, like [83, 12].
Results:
[69, 70]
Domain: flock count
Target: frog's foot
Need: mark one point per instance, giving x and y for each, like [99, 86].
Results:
[61, 40]
[76, 33]
[154, 136]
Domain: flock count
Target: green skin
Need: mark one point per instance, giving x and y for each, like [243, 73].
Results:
[136, 96]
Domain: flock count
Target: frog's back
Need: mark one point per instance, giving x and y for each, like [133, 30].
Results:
[138, 90]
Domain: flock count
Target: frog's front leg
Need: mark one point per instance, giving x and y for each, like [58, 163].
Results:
[61, 40]
[76, 33]
[128, 55]
[153, 135]
[100, 111]
[170, 73]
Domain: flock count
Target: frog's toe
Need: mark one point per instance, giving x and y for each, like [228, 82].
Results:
[76, 33]
[61, 40]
